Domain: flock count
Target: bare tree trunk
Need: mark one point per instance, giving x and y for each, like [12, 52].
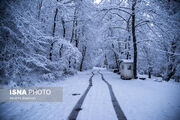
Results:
[105, 61]
[149, 65]
[83, 56]
[39, 8]
[72, 36]
[54, 28]
[50, 54]
[149, 71]
[149, 74]
[64, 29]
[60, 51]
[116, 58]
[129, 38]
[74, 21]
[76, 35]
[69, 62]
[64, 35]
[127, 56]
[51, 49]
[134, 39]
[149, 62]
[54, 25]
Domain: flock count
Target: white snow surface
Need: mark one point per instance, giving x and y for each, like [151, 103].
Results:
[97, 105]
[48, 110]
[139, 100]
[146, 99]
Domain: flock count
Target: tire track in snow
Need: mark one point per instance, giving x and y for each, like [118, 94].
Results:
[73, 115]
[117, 108]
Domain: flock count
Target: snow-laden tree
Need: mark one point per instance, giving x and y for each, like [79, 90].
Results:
[148, 28]
[51, 38]
[26, 44]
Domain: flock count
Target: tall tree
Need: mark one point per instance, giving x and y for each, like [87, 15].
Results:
[134, 39]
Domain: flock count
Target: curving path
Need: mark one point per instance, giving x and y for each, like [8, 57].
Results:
[97, 103]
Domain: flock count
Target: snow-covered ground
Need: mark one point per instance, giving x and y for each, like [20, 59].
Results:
[139, 100]
[146, 99]
[48, 110]
[97, 105]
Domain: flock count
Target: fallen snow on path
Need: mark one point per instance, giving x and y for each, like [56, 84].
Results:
[146, 99]
[97, 104]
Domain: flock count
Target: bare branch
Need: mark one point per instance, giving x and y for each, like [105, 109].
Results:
[109, 9]
[142, 23]
[119, 16]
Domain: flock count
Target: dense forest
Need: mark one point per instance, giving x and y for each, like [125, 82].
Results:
[44, 40]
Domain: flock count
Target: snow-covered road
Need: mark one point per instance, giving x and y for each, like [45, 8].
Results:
[140, 100]
[97, 105]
